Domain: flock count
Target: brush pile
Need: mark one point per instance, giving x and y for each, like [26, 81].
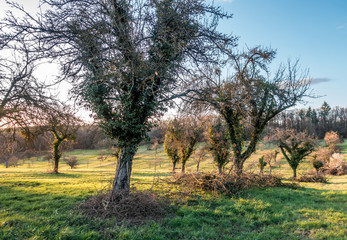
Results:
[135, 207]
[227, 184]
[312, 178]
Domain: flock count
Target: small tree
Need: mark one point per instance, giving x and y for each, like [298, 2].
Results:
[60, 121]
[270, 158]
[185, 135]
[261, 165]
[295, 147]
[218, 145]
[171, 149]
[200, 155]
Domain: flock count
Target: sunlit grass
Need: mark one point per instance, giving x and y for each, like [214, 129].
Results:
[35, 204]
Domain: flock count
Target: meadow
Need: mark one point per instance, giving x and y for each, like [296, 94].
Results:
[35, 204]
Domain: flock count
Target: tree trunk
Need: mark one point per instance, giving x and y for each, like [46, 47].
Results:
[121, 181]
[56, 155]
[294, 172]
[220, 170]
[270, 167]
[238, 166]
[6, 162]
[174, 167]
[197, 167]
[183, 168]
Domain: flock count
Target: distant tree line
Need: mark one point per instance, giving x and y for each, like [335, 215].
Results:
[315, 122]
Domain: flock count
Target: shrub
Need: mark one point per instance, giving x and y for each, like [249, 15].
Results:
[331, 139]
[317, 164]
[13, 161]
[71, 161]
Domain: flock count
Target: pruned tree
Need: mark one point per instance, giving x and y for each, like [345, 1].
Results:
[294, 146]
[185, 136]
[218, 145]
[61, 123]
[261, 165]
[200, 155]
[171, 149]
[250, 97]
[270, 159]
[127, 58]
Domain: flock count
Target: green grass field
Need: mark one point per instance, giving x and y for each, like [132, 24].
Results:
[37, 205]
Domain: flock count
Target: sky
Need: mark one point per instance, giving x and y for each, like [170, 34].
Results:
[313, 31]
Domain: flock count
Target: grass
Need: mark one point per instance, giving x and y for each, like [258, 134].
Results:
[37, 205]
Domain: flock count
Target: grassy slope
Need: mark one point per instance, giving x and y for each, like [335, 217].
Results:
[38, 205]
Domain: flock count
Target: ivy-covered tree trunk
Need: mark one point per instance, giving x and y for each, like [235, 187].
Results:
[294, 172]
[56, 154]
[174, 166]
[238, 164]
[183, 170]
[124, 166]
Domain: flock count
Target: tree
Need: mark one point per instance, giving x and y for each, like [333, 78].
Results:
[248, 99]
[183, 136]
[60, 121]
[270, 158]
[171, 149]
[218, 145]
[294, 146]
[20, 91]
[127, 58]
[261, 165]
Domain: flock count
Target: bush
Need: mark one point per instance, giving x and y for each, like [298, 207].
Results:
[317, 164]
[71, 161]
[13, 161]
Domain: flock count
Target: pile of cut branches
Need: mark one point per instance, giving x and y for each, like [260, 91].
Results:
[311, 178]
[227, 184]
[135, 207]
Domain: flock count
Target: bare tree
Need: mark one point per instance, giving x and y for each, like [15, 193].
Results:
[60, 121]
[249, 98]
[126, 57]
[20, 91]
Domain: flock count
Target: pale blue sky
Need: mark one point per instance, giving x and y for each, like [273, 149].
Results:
[315, 31]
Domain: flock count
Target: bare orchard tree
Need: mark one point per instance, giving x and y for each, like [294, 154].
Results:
[20, 91]
[61, 124]
[126, 57]
[249, 97]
